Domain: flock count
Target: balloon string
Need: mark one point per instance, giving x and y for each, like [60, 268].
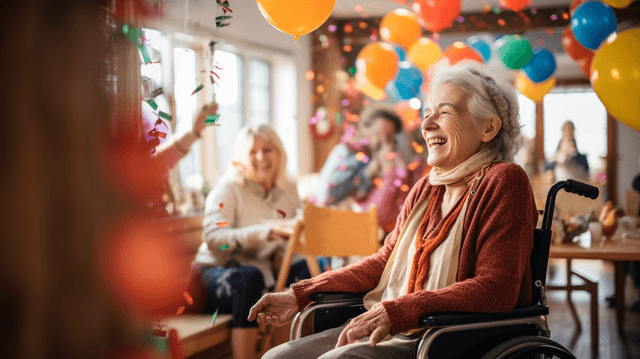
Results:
[296, 38]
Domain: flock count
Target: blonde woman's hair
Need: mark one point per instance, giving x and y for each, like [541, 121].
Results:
[245, 140]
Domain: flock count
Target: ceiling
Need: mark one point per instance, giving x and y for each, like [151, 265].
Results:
[378, 8]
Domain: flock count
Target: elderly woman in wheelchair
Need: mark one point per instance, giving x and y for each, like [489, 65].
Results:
[462, 241]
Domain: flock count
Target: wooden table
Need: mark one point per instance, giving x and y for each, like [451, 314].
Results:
[619, 248]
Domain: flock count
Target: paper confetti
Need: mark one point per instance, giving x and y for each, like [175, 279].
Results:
[284, 215]
[180, 310]
[221, 205]
[211, 119]
[378, 182]
[188, 298]
[174, 345]
[157, 92]
[240, 165]
[197, 89]
[220, 19]
[161, 344]
[213, 317]
[153, 104]
[222, 224]
[212, 80]
[224, 4]
[222, 248]
[165, 115]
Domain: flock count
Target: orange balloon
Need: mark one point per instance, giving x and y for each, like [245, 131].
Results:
[296, 17]
[364, 85]
[400, 27]
[436, 15]
[459, 51]
[515, 5]
[424, 53]
[378, 62]
[532, 90]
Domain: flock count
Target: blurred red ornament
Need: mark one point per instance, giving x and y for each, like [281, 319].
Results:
[459, 51]
[144, 267]
[515, 5]
[128, 10]
[585, 64]
[436, 15]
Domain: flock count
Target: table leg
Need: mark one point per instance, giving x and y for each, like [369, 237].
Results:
[574, 312]
[619, 294]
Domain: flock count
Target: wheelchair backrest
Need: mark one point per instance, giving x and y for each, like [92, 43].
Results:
[539, 262]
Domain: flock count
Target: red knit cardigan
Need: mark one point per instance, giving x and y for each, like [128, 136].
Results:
[494, 273]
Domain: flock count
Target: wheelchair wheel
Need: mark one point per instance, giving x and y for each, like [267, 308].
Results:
[529, 347]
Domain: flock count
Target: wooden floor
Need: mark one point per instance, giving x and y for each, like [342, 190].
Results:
[612, 344]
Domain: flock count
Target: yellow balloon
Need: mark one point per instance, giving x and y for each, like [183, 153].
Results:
[532, 90]
[296, 17]
[369, 89]
[400, 27]
[424, 53]
[615, 76]
[618, 3]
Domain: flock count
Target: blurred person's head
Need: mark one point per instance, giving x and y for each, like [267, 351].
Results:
[379, 124]
[468, 110]
[259, 156]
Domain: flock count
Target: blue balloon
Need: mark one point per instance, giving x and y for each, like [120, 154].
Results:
[481, 46]
[542, 66]
[402, 55]
[592, 22]
[406, 84]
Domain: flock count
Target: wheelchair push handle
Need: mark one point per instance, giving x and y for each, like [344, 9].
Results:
[571, 186]
[582, 189]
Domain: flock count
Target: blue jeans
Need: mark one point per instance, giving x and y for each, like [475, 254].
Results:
[235, 290]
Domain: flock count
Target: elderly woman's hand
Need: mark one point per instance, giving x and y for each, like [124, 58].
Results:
[207, 110]
[374, 322]
[275, 309]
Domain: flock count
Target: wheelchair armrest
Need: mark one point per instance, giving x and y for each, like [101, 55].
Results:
[456, 318]
[325, 297]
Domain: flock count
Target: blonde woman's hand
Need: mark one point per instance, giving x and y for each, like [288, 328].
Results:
[374, 323]
[207, 110]
[274, 309]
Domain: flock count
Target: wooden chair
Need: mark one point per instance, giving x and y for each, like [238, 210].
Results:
[325, 232]
[329, 232]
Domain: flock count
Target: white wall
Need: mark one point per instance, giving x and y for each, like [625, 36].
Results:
[249, 28]
[628, 158]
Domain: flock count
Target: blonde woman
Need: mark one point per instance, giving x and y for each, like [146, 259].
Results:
[235, 256]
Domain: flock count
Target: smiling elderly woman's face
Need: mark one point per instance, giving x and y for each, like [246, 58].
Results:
[263, 162]
[449, 129]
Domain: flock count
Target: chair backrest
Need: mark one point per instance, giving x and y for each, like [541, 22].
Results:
[539, 262]
[330, 232]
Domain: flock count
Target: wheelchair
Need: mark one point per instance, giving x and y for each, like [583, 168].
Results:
[519, 333]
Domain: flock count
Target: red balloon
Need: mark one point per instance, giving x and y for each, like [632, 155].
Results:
[436, 15]
[575, 4]
[459, 51]
[515, 5]
[572, 46]
[585, 64]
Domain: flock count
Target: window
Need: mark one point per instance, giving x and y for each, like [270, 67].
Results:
[259, 92]
[229, 96]
[190, 167]
[589, 117]
[527, 120]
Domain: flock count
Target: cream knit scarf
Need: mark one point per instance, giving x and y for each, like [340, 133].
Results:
[465, 170]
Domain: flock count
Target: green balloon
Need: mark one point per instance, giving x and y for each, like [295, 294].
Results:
[514, 51]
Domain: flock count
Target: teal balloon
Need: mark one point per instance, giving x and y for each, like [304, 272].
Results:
[402, 55]
[542, 66]
[514, 51]
[481, 46]
[406, 85]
